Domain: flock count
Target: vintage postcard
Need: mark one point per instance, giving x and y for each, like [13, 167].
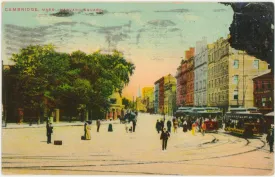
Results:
[137, 88]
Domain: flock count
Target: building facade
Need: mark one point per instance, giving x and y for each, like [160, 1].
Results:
[189, 98]
[148, 98]
[200, 73]
[230, 74]
[264, 92]
[160, 95]
[116, 107]
[169, 94]
[179, 95]
[185, 80]
[156, 97]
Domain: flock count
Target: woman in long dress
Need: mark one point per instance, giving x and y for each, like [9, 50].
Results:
[88, 131]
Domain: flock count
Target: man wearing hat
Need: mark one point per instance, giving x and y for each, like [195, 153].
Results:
[270, 138]
[164, 137]
[49, 132]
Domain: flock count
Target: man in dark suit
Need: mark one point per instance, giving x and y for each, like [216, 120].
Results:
[270, 138]
[134, 125]
[49, 133]
[164, 137]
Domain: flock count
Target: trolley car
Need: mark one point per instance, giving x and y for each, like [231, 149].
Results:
[244, 123]
[212, 120]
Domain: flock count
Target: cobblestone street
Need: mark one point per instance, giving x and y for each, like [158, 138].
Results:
[25, 151]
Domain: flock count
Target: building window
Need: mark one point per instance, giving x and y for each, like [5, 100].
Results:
[236, 64]
[269, 85]
[235, 95]
[235, 79]
[256, 87]
[263, 101]
[263, 85]
[256, 64]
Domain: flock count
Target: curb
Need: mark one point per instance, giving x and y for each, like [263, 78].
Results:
[54, 125]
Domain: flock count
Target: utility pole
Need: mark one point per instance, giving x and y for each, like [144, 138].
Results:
[243, 80]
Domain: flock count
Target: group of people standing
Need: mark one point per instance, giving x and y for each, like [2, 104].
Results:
[88, 127]
[130, 128]
[186, 125]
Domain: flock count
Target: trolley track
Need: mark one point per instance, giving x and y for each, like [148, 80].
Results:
[127, 162]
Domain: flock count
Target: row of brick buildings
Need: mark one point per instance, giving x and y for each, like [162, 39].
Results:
[218, 75]
[165, 95]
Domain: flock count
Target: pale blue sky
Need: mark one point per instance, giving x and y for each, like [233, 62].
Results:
[154, 36]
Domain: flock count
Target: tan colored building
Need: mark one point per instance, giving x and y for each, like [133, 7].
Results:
[148, 97]
[170, 86]
[117, 108]
[230, 74]
[140, 106]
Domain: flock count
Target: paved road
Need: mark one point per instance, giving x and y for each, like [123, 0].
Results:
[25, 151]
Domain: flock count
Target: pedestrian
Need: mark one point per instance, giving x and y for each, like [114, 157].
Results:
[169, 125]
[134, 125]
[98, 123]
[193, 128]
[127, 125]
[189, 124]
[158, 126]
[184, 126]
[88, 131]
[110, 128]
[164, 137]
[85, 130]
[200, 122]
[270, 138]
[162, 124]
[49, 132]
[203, 128]
[176, 124]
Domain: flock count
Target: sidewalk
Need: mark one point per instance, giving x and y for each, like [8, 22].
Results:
[59, 124]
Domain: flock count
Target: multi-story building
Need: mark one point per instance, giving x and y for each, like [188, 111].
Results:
[184, 80]
[230, 74]
[264, 92]
[156, 97]
[139, 105]
[148, 98]
[200, 73]
[179, 95]
[160, 94]
[189, 98]
[169, 94]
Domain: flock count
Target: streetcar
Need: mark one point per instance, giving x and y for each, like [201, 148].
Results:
[244, 123]
[212, 120]
[182, 112]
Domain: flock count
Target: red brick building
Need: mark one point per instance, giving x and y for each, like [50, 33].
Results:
[264, 92]
[189, 74]
[185, 80]
[160, 83]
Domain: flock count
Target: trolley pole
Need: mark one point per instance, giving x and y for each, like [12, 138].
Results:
[243, 80]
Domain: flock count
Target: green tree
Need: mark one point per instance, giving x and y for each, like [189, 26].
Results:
[46, 78]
